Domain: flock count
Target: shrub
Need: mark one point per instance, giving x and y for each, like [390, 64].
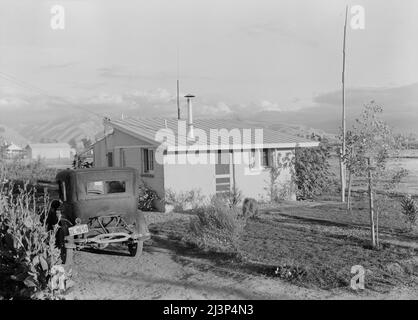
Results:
[230, 198]
[183, 201]
[409, 210]
[217, 227]
[27, 250]
[147, 197]
[80, 163]
[31, 172]
[312, 171]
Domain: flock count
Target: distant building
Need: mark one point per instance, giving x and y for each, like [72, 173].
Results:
[14, 151]
[50, 151]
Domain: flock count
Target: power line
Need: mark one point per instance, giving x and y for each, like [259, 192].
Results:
[27, 85]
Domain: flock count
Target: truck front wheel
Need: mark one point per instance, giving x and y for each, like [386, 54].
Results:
[135, 249]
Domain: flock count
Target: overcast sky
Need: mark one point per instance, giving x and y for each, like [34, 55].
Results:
[267, 54]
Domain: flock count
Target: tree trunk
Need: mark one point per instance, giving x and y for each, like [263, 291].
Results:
[349, 191]
[342, 175]
[377, 229]
[372, 227]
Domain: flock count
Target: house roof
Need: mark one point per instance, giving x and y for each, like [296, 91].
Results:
[146, 129]
[14, 147]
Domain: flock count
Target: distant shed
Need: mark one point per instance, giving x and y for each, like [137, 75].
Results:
[50, 151]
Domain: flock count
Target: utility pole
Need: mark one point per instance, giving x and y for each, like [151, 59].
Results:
[342, 153]
[178, 100]
[178, 87]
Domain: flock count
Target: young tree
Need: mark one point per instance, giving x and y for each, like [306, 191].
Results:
[86, 142]
[370, 144]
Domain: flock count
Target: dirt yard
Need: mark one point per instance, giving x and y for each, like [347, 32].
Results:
[170, 270]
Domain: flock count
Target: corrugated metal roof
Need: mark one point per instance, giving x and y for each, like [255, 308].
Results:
[147, 129]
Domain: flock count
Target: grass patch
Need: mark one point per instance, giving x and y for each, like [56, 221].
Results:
[315, 245]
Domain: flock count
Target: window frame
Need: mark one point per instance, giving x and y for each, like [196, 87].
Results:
[266, 157]
[147, 161]
[64, 191]
[106, 192]
[109, 158]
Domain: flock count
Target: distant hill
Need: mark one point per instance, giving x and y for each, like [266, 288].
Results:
[12, 135]
[62, 129]
[292, 129]
[400, 109]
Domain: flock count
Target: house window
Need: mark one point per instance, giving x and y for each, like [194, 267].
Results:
[148, 160]
[265, 159]
[110, 159]
[122, 158]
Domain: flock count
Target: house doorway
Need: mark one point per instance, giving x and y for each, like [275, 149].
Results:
[223, 171]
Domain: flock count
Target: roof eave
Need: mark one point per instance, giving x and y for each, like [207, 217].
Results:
[293, 145]
[134, 134]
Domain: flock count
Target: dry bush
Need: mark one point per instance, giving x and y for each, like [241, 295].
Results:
[230, 198]
[183, 201]
[27, 249]
[217, 227]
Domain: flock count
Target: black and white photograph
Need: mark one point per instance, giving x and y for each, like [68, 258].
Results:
[226, 151]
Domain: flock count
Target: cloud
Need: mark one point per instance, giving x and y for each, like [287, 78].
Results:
[129, 73]
[287, 32]
[269, 106]
[12, 103]
[154, 103]
[392, 99]
[105, 98]
[52, 66]
[400, 108]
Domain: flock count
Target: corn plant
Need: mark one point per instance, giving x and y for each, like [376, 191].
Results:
[27, 250]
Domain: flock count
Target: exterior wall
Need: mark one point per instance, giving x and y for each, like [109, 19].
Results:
[255, 183]
[252, 183]
[50, 153]
[121, 143]
[186, 177]
[99, 154]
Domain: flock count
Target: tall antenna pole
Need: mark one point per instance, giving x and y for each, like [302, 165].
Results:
[178, 87]
[342, 165]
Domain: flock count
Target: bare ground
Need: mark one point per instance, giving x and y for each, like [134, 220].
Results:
[169, 271]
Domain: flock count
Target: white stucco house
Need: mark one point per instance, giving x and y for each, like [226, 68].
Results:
[211, 156]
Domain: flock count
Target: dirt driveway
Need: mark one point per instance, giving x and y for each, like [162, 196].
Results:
[166, 272]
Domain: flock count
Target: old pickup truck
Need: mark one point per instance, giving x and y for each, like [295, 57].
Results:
[97, 207]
